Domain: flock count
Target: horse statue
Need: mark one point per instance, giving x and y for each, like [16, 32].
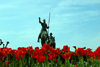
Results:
[43, 34]
[44, 37]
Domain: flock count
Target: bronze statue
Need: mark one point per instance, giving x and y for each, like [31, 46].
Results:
[51, 41]
[43, 34]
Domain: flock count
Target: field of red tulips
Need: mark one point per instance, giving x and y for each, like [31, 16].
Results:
[49, 57]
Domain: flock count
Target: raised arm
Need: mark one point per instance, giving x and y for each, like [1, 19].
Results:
[39, 20]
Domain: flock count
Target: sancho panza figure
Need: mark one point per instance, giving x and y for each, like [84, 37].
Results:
[52, 41]
[44, 27]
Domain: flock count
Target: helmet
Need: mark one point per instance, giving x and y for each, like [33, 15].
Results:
[43, 20]
[50, 33]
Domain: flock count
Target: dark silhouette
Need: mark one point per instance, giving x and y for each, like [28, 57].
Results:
[4, 44]
[43, 34]
[1, 42]
[7, 44]
[51, 41]
[75, 47]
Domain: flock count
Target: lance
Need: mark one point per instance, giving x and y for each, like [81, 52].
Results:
[49, 22]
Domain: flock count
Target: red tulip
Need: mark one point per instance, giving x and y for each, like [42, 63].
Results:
[66, 48]
[66, 55]
[40, 58]
[75, 66]
[80, 51]
[52, 56]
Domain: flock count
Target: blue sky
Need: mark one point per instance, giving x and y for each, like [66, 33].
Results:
[73, 22]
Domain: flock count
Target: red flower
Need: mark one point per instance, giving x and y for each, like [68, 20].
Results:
[30, 49]
[97, 53]
[36, 48]
[88, 52]
[66, 55]
[52, 56]
[2, 54]
[7, 50]
[38, 52]
[40, 58]
[46, 47]
[42, 52]
[20, 54]
[75, 66]
[58, 51]
[66, 48]
[34, 54]
[80, 51]
[13, 52]
[72, 53]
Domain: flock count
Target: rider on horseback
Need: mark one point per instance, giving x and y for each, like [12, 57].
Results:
[51, 41]
[44, 27]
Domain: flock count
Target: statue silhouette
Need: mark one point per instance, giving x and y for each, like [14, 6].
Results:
[43, 34]
[51, 41]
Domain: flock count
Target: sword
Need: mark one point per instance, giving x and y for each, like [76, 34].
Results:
[49, 22]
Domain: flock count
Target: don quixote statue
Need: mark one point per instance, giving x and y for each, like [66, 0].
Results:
[44, 34]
